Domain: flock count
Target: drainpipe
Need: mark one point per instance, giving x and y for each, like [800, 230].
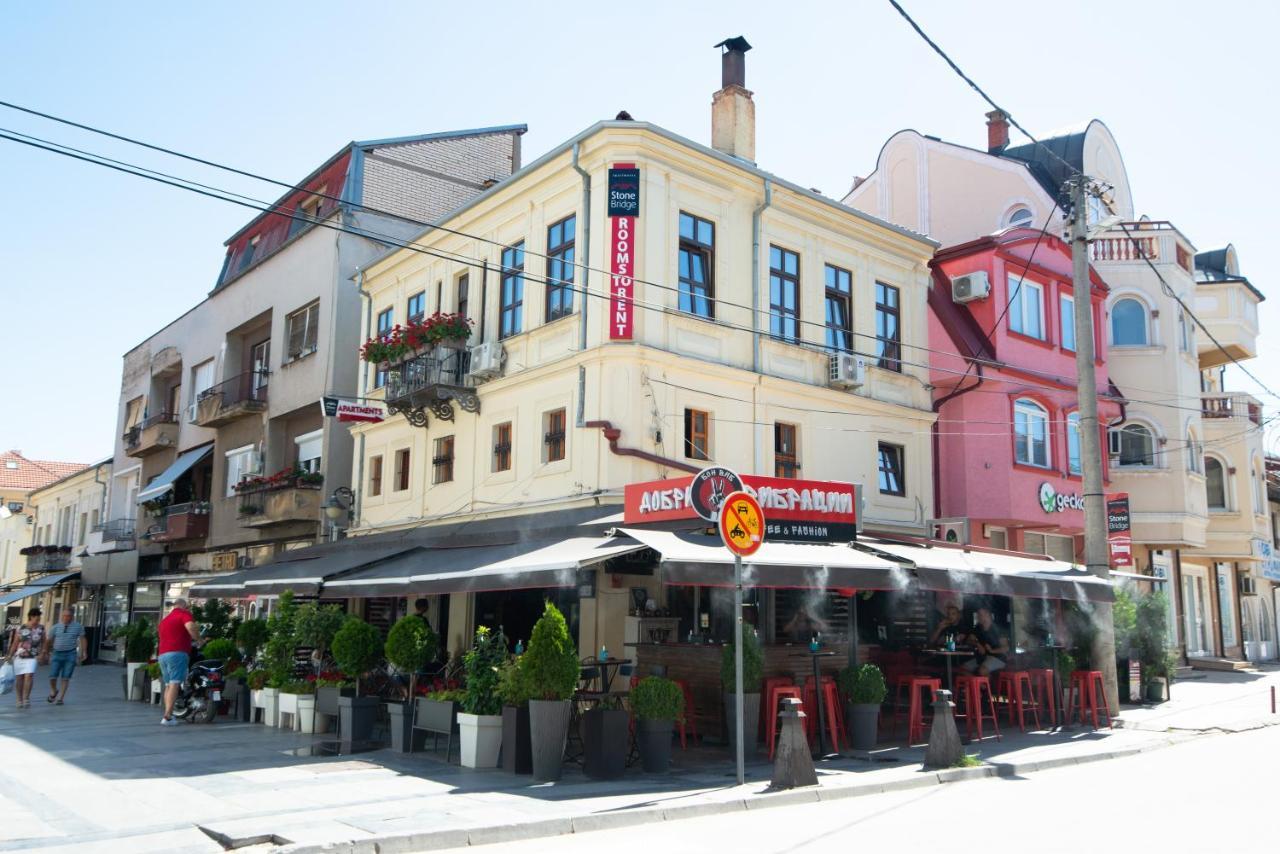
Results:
[613, 434]
[102, 504]
[933, 430]
[586, 278]
[756, 216]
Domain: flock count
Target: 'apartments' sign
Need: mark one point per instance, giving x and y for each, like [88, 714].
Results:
[624, 210]
[350, 410]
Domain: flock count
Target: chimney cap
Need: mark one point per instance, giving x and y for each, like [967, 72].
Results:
[737, 44]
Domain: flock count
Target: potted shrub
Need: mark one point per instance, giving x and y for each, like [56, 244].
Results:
[480, 721]
[657, 703]
[410, 646]
[219, 649]
[605, 727]
[357, 648]
[513, 690]
[752, 677]
[864, 689]
[1124, 620]
[156, 684]
[1150, 635]
[250, 637]
[139, 644]
[315, 625]
[551, 667]
[236, 694]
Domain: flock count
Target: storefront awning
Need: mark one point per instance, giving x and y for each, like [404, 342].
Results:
[994, 574]
[700, 559]
[303, 571]
[38, 587]
[164, 482]
[513, 566]
[110, 567]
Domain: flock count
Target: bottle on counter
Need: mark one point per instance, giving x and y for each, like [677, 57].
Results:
[519, 647]
[604, 653]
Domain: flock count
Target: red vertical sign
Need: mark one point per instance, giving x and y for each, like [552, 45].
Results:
[624, 210]
[1119, 538]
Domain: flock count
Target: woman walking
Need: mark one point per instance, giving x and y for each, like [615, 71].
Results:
[25, 645]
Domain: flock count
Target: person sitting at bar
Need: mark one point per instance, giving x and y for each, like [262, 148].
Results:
[948, 625]
[803, 626]
[990, 646]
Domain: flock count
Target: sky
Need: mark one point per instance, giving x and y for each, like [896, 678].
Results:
[96, 261]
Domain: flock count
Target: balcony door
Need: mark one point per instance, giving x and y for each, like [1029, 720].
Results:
[260, 363]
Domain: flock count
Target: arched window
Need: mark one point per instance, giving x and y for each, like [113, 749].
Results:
[1133, 445]
[1195, 453]
[1030, 433]
[1073, 443]
[1259, 488]
[1215, 483]
[1128, 323]
[1020, 217]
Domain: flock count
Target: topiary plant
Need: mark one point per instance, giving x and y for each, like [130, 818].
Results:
[220, 649]
[752, 665]
[411, 645]
[863, 685]
[551, 661]
[482, 664]
[214, 618]
[251, 635]
[357, 648]
[657, 699]
[139, 640]
[513, 683]
[278, 654]
[316, 624]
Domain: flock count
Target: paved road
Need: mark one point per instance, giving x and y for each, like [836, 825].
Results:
[1211, 794]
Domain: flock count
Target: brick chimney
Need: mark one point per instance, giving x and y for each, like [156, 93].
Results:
[733, 113]
[997, 131]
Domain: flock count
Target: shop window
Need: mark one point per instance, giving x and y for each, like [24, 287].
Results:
[375, 475]
[1030, 433]
[697, 441]
[560, 268]
[502, 446]
[402, 470]
[786, 459]
[697, 265]
[442, 460]
[1129, 323]
[553, 436]
[784, 294]
[891, 469]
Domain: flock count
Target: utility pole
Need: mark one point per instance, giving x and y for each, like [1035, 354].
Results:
[1096, 554]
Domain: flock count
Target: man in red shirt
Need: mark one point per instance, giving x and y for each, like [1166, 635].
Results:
[178, 630]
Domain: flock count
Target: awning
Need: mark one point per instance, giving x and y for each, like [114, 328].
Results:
[513, 566]
[303, 571]
[700, 559]
[990, 573]
[180, 466]
[37, 587]
[110, 567]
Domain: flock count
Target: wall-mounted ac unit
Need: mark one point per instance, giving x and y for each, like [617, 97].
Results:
[950, 530]
[847, 370]
[486, 360]
[970, 287]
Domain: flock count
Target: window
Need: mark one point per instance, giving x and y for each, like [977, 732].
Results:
[560, 268]
[201, 381]
[464, 294]
[511, 308]
[173, 400]
[1215, 485]
[402, 470]
[1184, 332]
[246, 254]
[697, 257]
[241, 463]
[1030, 433]
[375, 476]
[998, 538]
[785, 457]
[1020, 217]
[1053, 545]
[1073, 443]
[839, 309]
[303, 327]
[385, 318]
[1128, 323]
[132, 413]
[1259, 488]
[1026, 307]
[784, 294]
[891, 471]
[502, 446]
[1133, 445]
[1195, 454]
[83, 530]
[442, 460]
[553, 436]
[416, 309]
[1067, 317]
[309, 449]
[888, 328]
[697, 444]
[307, 212]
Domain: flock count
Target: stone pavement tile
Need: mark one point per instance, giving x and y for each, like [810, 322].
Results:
[17, 822]
[187, 840]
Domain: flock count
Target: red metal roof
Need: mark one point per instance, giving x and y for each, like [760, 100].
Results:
[18, 472]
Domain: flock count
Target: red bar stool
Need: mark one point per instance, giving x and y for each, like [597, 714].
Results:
[690, 722]
[831, 699]
[775, 695]
[1086, 691]
[768, 683]
[1015, 687]
[1043, 681]
[915, 685]
[970, 687]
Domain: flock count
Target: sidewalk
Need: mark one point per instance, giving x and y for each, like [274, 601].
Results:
[101, 774]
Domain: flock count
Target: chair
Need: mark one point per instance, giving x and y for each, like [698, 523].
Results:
[830, 699]
[971, 686]
[1015, 687]
[914, 685]
[775, 695]
[1043, 681]
[766, 685]
[1087, 689]
[690, 722]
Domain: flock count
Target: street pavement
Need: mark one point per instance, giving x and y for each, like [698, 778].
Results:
[101, 774]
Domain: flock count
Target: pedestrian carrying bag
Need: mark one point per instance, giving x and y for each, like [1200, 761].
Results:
[6, 678]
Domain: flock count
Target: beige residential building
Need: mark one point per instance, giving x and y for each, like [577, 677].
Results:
[68, 516]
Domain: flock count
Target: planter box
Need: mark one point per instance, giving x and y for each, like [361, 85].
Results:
[516, 756]
[654, 738]
[864, 724]
[604, 742]
[481, 737]
[304, 719]
[236, 695]
[327, 699]
[136, 690]
[750, 720]
[355, 718]
[156, 694]
[268, 700]
[404, 739]
[434, 718]
[548, 730]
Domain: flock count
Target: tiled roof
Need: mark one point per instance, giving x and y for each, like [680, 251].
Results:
[32, 474]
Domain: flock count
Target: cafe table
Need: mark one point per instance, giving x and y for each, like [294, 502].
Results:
[949, 655]
[608, 668]
[1058, 694]
[825, 749]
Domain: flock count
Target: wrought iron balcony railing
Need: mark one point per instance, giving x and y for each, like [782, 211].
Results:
[431, 382]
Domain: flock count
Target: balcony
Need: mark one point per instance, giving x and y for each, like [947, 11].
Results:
[47, 558]
[431, 383]
[157, 433]
[1137, 242]
[189, 521]
[1236, 407]
[298, 503]
[1229, 310]
[245, 394]
[120, 531]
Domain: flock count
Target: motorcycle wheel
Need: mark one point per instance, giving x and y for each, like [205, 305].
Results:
[204, 713]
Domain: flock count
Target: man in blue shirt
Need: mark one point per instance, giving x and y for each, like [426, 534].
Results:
[67, 643]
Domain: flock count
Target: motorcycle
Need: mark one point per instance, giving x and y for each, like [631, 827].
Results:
[201, 693]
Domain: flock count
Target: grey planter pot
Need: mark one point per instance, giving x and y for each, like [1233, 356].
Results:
[750, 719]
[604, 740]
[355, 718]
[142, 682]
[327, 699]
[516, 755]
[655, 744]
[1155, 691]
[402, 734]
[548, 729]
[864, 725]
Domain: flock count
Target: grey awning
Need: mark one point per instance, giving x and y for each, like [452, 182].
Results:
[180, 466]
[37, 587]
[303, 571]
[110, 567]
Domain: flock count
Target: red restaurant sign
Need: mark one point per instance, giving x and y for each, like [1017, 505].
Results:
[624, 208]
[805, 511]
[1119, 538]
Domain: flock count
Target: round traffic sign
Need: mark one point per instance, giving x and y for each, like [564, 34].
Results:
[709, 488]
[741, 524]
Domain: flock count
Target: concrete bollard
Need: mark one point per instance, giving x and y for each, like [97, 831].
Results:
[945, 749]
[792, 762]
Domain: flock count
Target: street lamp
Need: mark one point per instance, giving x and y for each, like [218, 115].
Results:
[341, 500]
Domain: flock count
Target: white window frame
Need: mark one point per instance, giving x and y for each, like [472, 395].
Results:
[1027, 222]
[1225, 506]
[1029, 409]
[1018, 317]
[316, 437]
[240, 470]
[1067, 330]
[307, 330]
[1115, 445]
[199, 385]
[1073, 429]
[1148, 336]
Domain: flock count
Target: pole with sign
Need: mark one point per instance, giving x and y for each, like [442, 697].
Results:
[742, 530]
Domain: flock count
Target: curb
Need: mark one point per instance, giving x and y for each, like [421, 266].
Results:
[464, 837]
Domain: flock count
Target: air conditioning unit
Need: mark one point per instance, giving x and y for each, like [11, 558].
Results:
[486, 360]
[847, 371]
[950, 530]
[970, 287]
